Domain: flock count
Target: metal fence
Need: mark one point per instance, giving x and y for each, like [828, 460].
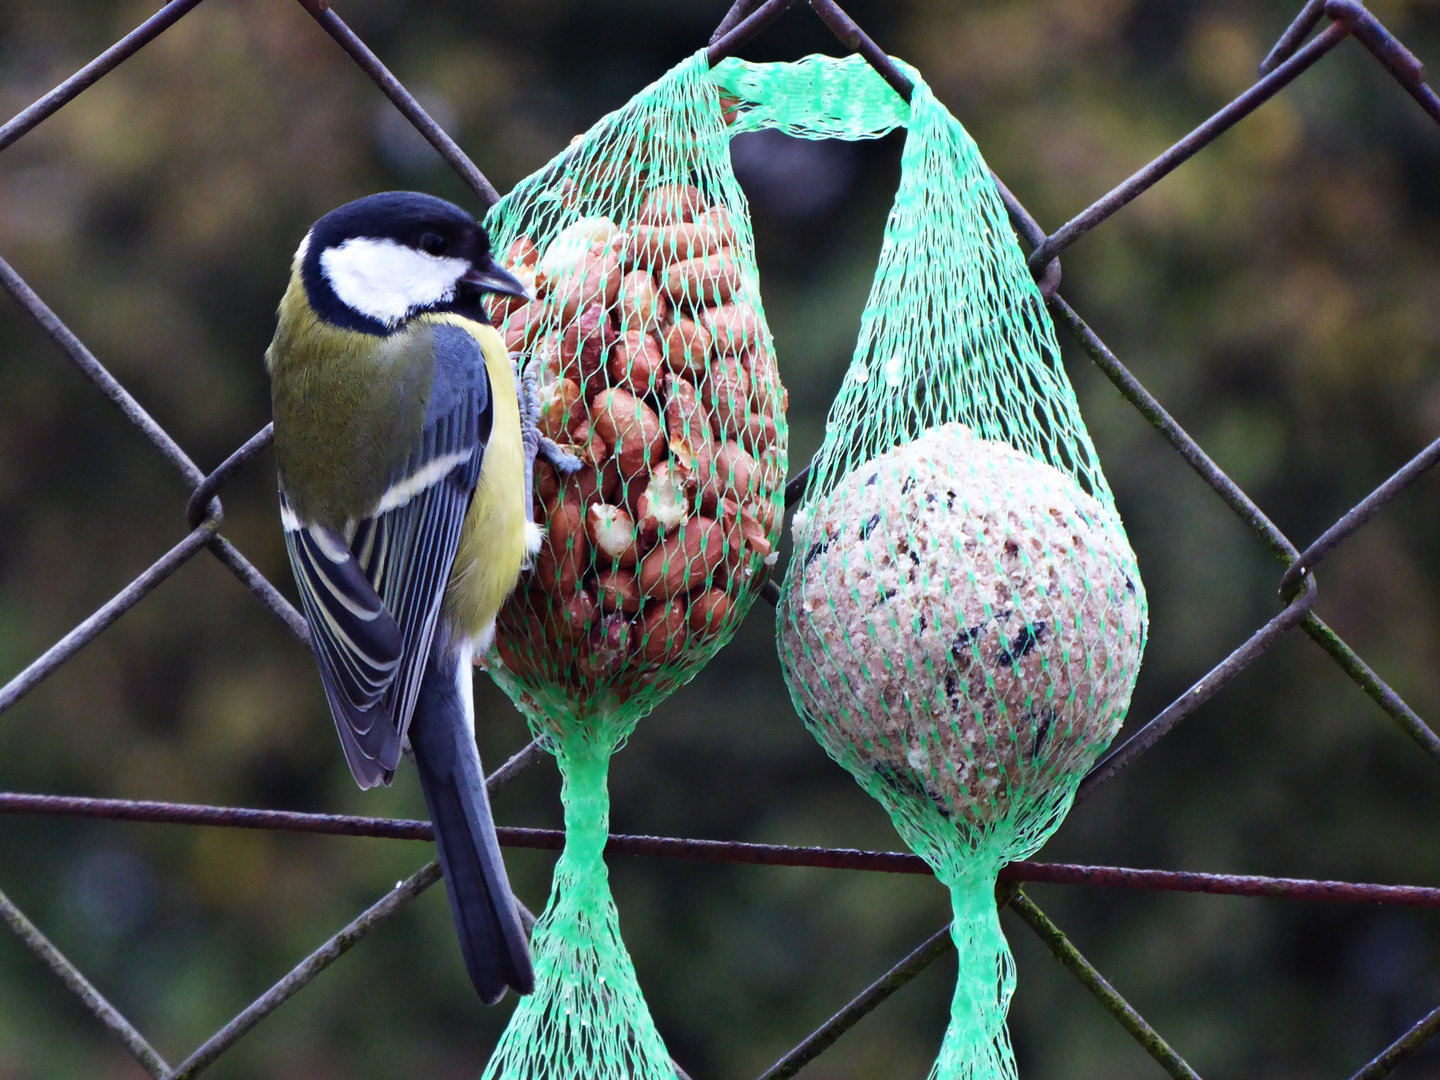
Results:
[1295, 52]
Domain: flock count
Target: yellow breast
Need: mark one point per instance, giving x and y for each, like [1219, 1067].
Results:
[493, 537]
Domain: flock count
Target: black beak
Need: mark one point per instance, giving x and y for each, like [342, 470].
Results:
[488, 277]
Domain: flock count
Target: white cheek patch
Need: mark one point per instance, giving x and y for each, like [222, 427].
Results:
[386, 280]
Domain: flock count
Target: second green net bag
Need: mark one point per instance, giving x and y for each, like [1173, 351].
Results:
[654, 365]
[962, 619]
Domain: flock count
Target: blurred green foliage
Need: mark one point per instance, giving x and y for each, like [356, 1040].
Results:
[1280, 294]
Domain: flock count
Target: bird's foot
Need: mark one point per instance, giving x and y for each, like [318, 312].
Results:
[536, 445]
[528, 396]
[564, 462]
[528, 391]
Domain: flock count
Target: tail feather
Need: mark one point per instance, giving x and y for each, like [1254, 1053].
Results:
[442, 736]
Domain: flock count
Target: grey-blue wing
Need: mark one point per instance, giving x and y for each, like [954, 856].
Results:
[399, 557]
[356, 641]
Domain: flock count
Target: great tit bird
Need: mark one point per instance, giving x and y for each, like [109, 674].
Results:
[404, 496]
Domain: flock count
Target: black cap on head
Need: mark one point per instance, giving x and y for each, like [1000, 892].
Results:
[411, 218]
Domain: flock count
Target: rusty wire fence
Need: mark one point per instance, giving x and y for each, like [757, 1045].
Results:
[1298, 49]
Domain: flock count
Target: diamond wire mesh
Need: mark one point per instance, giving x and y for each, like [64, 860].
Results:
[1292, 55]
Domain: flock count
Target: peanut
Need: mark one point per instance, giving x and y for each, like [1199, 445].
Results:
[576, 616]
[612, 484]
[562, 406]
[744, 538]
[642, 307]
[729, 515]
[708, 612]
[547, 484]
[717, 219]
[590, 448]
[764, 380]
[683, 559]
[618, 591]
[772, 470]
[757, 536]
[729, 107]
[572, 245]
[585, 347]
[523, 252]
[735, 326]
[682, 459]
[764, 507]
[727, 392]
[760, 433]
[503, 306]
[594, 280]
[603, 653]
[546, 359]
[612, 533]
[687, 345]
[661, 631]
[731, 476]
[651, 246]
[637, 363]
[685, 419]
[592, 483]
[662, 503]
[524, 326]
[516, 656]
[709, 280]
[498, 309]
[751, 533]
[535, 604]
[630, 428]
[671, 203]
[563, 555]
[692, 442]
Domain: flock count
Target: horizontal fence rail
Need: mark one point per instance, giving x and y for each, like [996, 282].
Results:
[1303, 45]
[724, 851]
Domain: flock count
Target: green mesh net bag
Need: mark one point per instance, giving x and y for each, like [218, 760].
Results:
[655, 367]
[962, 620]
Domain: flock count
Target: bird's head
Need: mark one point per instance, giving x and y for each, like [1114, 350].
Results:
[372, 264]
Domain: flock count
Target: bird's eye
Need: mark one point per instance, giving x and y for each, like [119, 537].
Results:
[434, 243]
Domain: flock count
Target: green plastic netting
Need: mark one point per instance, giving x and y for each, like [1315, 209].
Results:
[654, 363]
[962, 620]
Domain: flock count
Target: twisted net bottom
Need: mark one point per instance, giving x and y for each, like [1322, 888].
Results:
[977, 1044]
[586, 1019]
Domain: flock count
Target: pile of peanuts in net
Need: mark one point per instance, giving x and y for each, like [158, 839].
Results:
[656, 369]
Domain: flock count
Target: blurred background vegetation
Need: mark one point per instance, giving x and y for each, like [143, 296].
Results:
[1280, 294]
